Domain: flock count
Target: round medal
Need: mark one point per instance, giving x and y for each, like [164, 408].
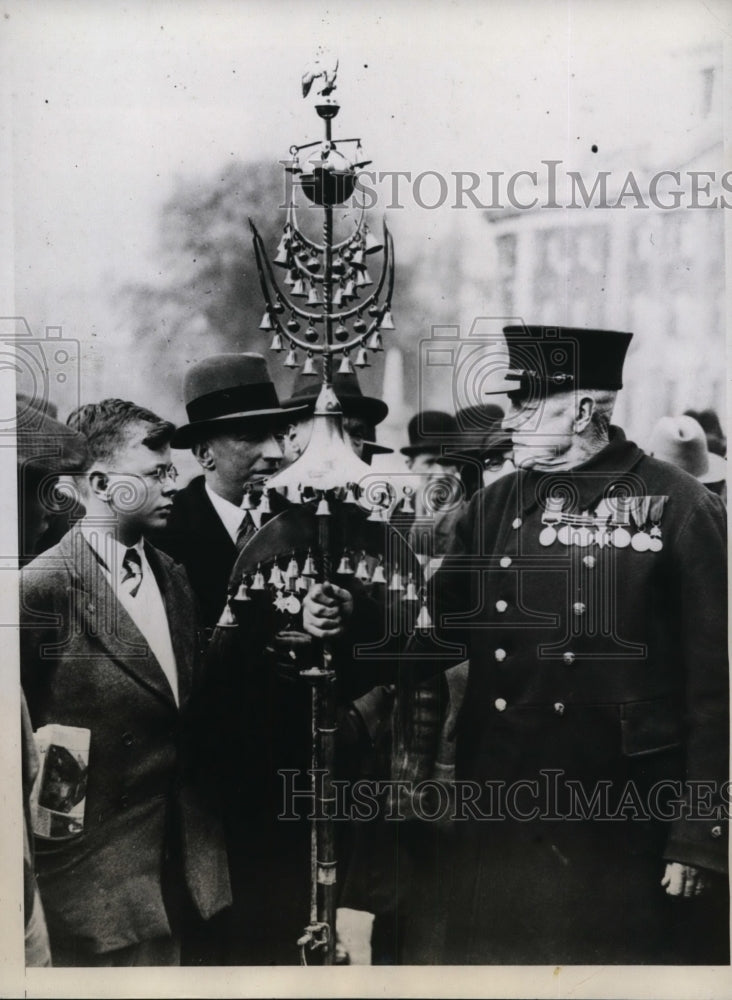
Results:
[563, 534]
[292, 604]
[640, 541]
[655, 544]
[620, 538]
[547, 536]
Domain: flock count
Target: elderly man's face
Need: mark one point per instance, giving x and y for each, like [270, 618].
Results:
[542, 430]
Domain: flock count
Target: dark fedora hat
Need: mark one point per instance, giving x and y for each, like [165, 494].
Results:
[543, 360]
[429, 430]
[306, 389]
[226, 388]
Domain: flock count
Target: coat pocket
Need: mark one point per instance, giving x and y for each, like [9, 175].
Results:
[649, 727]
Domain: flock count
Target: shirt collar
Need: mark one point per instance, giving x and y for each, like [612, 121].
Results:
[588, 481]
[230, 515]
[105, 546]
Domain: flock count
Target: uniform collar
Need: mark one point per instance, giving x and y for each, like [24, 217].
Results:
[588, 481]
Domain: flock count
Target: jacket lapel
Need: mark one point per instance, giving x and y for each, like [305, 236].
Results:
[105, 621]
[180, 612]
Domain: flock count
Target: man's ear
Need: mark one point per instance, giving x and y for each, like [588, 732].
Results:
[98, 484]
[583, 413]
[204, 455]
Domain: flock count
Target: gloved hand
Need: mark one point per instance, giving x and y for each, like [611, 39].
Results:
[683, 880]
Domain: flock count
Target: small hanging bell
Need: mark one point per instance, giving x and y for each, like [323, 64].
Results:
[313, 297]
[284, 243]
[258, 581]
[291, 277]
[374, 343]
[423, 618]
[302, 584]
[266, 323]
[387, 322]
[312, 264]
[362, 358]
[360, 279]
[350, 496]
[309, 367]
[276, 579]
[311, 335]
[374, 309]
[407, 502]
[278, 307]
[366, 278]
[323, 509]
[377, 514]
[276, 344]
[338, 267]
[379, 576]
[349, 292]
[303, 255]
[293, 570]
[227, 619]
[242, 593]
[291, 359]
[371, 244]
[246, 500]
[396, 581]
[359, 326]
[298, 289]
[411, 592]
[292, 325]
[344, 566]
[283, 258]
[357, 258]
[264, 505]
[341, 333]
[362, 570]
[309, 568]
[338, 296]
[345, 367]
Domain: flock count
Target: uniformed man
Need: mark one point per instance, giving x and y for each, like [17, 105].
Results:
[588, 590]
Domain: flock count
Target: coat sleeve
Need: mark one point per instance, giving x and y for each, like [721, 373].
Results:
[700, 575]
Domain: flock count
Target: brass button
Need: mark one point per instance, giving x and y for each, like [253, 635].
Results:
[127, 739]
[501, 606]
[517, 522]
[559, 708]
[716, 831]
[579, 608]
[589, 561]
[569, 658]
[500, 655]
[506, 562]
[500, 704]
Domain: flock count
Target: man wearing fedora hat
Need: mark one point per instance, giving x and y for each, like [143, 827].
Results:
[361, 414]
[234, 416]
[682, 441]
[588, 590]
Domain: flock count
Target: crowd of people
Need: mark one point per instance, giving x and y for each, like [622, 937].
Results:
[568, 700]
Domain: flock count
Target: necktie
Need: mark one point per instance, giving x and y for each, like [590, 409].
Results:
[132, 576]
[246, 529]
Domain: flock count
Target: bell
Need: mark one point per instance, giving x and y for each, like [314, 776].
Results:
[292, 325]
[411, 593]
[227, 619]
[293, 570]
[407, 504]
[377, 514]
[278, 307]
[311, 335]
[313, 297]
[276, 344]
[312, 264]
[298, 289]
[302, 584]
[378, 576]
[309, 367]
[323, 509]
[371, 244]
[349, 292]
[338, 267]
[374, 343]
[258, 581]
[365, 278]
[264, 505]
[387, 322]
[345, 367]
[362, 358]
[291, 277]
[357, 258]
[341, 333]
[283, 257]
[246, 500]
[350, 496]
[242, 593]
[359, 326]
[284, 243]
[396, 581]
[309, 568]
[275, 577]
[303, 255]
[344, 566]
[423, 618]
[338, 296]
[362, 570]
[291, 359]
[266, 323]
[360, 279]
[374, 309]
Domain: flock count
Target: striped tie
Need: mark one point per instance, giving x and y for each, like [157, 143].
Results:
[132, 566]
[246, 529]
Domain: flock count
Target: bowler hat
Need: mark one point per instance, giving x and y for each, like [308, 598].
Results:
[306, 389]
[543, 360]
[43, 443]
[428, 431]
[224, 388]
[682, 442]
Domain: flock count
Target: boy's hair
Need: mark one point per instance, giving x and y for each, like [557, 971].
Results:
[106, 427]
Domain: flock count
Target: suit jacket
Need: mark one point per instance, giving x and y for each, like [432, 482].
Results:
[85, 663]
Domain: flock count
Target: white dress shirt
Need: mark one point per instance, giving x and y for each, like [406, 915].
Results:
[231, 516]
[146, 608]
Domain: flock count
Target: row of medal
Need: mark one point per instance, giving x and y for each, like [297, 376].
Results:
[608, 525]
